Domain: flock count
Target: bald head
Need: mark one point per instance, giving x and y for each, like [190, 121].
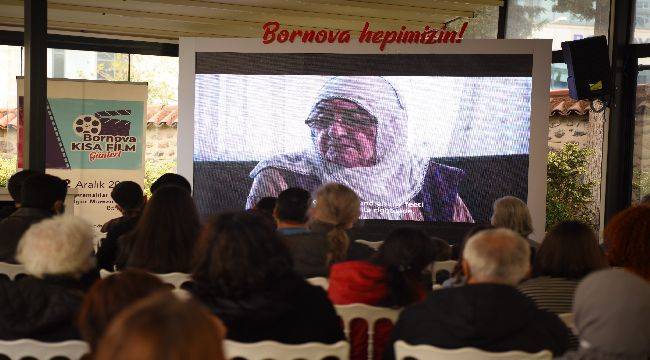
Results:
[498, 256]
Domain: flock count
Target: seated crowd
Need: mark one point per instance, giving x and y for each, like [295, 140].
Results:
[249, 271]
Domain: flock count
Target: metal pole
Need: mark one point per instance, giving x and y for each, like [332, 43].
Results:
[35, 99]
[620, 148]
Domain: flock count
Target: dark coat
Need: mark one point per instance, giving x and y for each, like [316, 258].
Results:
[289, 311]
[108, 249]
[309, 251]
[490, 317]
[41, 309]
[14, 226]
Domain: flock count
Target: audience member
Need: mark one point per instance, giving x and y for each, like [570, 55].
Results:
[42, 197]
[488, 313]
[393, 278]
[244, 275]
[627, 237]
[511, 213]
[163, 327]
[612, 316]
[443, 252]
[336, 210]
[108, 296]
[568, 253]
[57, 255]
[457, 277]
[129, 201]
[15, 186]
[266, 205]
[291, 211]
[171, 179]
[163, 240]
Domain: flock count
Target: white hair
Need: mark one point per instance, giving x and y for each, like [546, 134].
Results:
[499, 256]
[62, 245]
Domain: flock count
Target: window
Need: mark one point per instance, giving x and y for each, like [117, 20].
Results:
[559, 74]
[641, 161]
[642, 22]
[10, 67]
[484, 24]
[560, 20]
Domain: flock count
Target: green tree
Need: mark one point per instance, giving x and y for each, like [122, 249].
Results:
[568, 194]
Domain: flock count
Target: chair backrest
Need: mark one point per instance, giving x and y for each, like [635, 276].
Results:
[319, 281]
[371, 314]
[274, 350]
[567, 318]
[371, 244]
[428, 352]
[18, 349]
[176, 279]
[12, 270]
[448, 265]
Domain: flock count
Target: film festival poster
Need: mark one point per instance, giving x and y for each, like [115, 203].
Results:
[94, 139]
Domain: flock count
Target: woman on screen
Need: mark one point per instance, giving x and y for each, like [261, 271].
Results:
[359, 139]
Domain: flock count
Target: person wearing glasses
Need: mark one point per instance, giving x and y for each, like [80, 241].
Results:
[359, 139]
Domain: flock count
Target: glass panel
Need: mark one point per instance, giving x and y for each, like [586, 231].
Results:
[642, 22]
[161, 73]
[484, 24]
[560, 20]
[10, 67]
[89, 65]
[559, 74]
[641, 179]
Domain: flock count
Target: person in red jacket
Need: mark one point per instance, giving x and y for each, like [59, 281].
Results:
[392, 278]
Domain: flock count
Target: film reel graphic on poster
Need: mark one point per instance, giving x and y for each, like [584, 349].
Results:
[98, 123]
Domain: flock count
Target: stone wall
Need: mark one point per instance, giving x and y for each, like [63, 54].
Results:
[565, 129]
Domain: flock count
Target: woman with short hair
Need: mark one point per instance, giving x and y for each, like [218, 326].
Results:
[108, 296]
[163, 327]
[57, 254]
[244, 274]
[568, 253]
[627, 237]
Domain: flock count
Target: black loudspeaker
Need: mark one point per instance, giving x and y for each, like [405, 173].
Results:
[588, 63]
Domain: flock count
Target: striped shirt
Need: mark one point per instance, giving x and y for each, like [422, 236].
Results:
[552, 294]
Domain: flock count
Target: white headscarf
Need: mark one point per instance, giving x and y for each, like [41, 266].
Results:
[397, 175]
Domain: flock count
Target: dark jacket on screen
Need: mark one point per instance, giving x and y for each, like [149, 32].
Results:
[490, 317]
[13, 227]
[289, 310]
[108, 249]
[42, 309]
[309, 250]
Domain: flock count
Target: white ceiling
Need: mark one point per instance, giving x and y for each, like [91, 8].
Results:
[167, 20]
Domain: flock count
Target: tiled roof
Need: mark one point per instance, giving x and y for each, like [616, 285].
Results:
[157, 115]
[561, 104]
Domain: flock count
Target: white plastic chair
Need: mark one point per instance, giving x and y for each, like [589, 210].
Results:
[320, 281]
[18, 349]
[428, 352]
[12, 270]
[448, 265]
[567, 318]
[176, 279]
[274, 350]
[371, 314]
[375, 245]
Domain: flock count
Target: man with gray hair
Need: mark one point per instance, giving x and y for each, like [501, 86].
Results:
[488, 313]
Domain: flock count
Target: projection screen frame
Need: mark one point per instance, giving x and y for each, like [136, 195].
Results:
[541, 74]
